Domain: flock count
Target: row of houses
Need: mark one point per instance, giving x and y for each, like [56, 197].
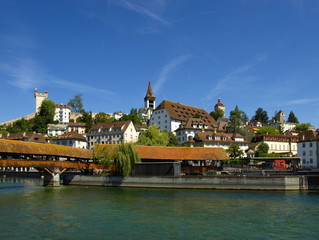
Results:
[193, 127]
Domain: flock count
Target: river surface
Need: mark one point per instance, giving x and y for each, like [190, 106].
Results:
[30, 211]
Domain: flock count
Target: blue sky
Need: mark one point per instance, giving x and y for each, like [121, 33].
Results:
[251, 53]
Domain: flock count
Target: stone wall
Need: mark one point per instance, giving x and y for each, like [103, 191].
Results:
[196, 182]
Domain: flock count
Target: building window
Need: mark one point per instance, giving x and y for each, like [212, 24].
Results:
[303, 145]
[310, 153]
[310, 144]
[304, 153]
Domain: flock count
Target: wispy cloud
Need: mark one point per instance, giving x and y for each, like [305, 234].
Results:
[300, 102]
[144, 12]
[233, 78]
[27, 74]
[168, 69]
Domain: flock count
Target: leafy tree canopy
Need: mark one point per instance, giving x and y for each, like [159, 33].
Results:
[124, 156]
[153, 136]
[267, 130]
[133, 116]
[234, 151]
[260, 116]
[236, 120]
[263, 148]
[102, 117]
[219, 113]
[302, 127]
[76, 103]
[292, 118]
[86, 118]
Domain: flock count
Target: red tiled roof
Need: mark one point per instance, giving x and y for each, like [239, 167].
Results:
[123, 124]
[183, 112]
[19, 147]
[180, 153]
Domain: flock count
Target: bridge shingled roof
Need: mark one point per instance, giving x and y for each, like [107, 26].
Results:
[20, 147]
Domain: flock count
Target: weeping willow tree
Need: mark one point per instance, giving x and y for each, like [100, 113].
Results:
[124, 156]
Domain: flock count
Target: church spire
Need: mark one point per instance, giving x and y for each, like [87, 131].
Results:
[149, 99]
[149, 92]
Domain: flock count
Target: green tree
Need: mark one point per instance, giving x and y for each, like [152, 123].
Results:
[133, 116]
[76, 103]
[86, 118]
[219, 113]
[104, 154]
[44, 117]
[234, 151]
[236, 121]
[125, 158]
[276, 117]
[260, 116]
[292, 118]
[262, 149]
[172, 140]
[302, 127]
[102, 117]
[267, 130]
[153, 136]
[20, 126]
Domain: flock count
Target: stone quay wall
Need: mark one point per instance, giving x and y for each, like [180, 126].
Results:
[217, 182]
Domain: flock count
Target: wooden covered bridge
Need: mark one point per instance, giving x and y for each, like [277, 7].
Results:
[52, 159]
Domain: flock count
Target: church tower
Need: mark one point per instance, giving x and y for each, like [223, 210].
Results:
[220, 106]
[149, 99]
[39, 97]
[149, 105]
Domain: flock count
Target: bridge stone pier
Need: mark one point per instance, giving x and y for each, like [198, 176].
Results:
[51, 177]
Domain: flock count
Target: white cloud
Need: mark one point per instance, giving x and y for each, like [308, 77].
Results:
[168, 69]
[27, 74]
[145, 12]
[301, 101]
[232, 79]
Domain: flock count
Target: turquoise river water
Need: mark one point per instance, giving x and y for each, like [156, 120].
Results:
[30, 211]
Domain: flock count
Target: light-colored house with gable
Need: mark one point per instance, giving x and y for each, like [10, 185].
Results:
[111, 133]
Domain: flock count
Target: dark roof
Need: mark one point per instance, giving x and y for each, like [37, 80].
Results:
[226, 137]
[193, 123]
[26, 137]
[71, 135]
[183, 112]
[149, 93]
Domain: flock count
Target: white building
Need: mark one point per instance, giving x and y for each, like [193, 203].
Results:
[308, 149]
[62, 113]
[78, 127]
[169, 115]
[111, 133]
[71, 139]
[218, 140]
[188, 129]
[55, 130]
[281, 144]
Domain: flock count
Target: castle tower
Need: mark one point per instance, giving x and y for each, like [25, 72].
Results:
[39, 97]
[220, 106]
[149, 99]
[281, 116]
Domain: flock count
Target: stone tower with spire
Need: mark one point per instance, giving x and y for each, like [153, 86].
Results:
[220, 106]
[39, 97]
[149, 105]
